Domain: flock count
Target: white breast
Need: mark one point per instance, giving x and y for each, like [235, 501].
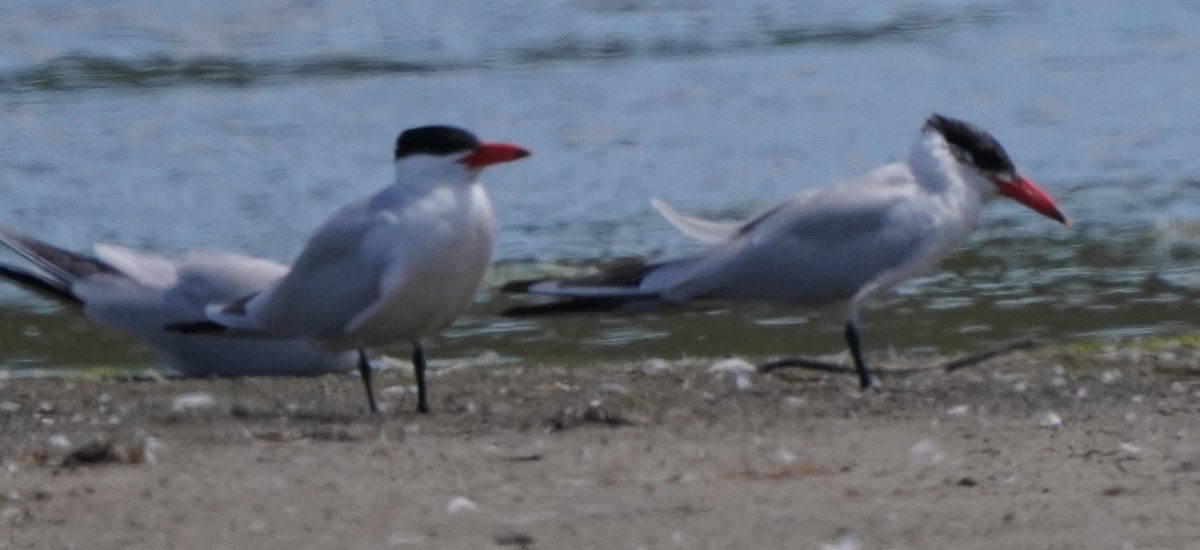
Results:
[439, 250]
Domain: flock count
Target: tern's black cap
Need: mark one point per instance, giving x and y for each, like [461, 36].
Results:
[435, 140]
[971, 144]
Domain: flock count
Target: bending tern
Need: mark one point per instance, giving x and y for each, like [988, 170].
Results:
[395, 266]
[835, 246]
[138, 293]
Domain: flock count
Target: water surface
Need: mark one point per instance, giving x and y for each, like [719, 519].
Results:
[243, 124]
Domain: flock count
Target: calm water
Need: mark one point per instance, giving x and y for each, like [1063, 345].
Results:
[243, 124]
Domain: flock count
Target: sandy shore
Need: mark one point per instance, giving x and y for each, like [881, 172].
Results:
[1050, 448]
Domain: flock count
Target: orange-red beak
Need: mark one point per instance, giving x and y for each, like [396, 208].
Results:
[1024, 192]
[488, 154]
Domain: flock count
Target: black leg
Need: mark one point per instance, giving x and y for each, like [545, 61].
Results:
[418, 360]
[864, 377]
[364, 368]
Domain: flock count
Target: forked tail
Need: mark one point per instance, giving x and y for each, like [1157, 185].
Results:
[55, 271]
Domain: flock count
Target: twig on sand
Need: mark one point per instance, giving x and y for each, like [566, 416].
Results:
[947, 366]
[805, 363]
[825, 366]
[975, 359]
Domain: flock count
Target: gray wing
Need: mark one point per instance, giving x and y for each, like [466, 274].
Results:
[816, 249]
[207, 276]
[331, 282]
[143, 307]
[149, 291]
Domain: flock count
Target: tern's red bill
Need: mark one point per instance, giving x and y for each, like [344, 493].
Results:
[488, 154]
[1028, 194]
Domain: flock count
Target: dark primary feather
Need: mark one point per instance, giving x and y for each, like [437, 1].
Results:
[65, 266]
[209, 328]
[625, 273]
[197, 327]
[622, 273]
[238, 307]
[571, 305]
[42, 285]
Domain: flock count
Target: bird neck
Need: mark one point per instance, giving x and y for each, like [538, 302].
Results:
[418, 175]
[958, 191]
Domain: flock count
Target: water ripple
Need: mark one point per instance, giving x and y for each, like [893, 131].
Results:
[596, 39]
[81, 71]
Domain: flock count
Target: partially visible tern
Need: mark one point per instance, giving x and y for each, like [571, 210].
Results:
[396, 266]
[138, 293]
[836, 246]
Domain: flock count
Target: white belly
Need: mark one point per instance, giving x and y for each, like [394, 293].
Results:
[429, 299]
[433, 283]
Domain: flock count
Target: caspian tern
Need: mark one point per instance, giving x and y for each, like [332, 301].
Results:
[138, 293]
[835, 246]
[393, 267]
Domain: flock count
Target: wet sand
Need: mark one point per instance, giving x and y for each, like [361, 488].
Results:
[1050, 448]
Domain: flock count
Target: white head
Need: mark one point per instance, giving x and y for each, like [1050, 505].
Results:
[448, 151]
[982, 161]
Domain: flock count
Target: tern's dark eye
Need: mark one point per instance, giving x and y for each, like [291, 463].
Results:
[972, 145]
[435, 140]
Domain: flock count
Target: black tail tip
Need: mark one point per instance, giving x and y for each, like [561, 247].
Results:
[572, 305]
[517, 287]
[196, 327]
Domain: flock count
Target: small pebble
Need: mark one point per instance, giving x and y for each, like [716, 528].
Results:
[613, 388]
[11, 515]
[489, 358]
[1050, 420]
[149, 447]
[592, 510]
[958, 410]
[404, 539]
[460, 504]
[794, 401]
[732, 365]
[655, 367]
[849, 542]
[196, 401]
[925, 451]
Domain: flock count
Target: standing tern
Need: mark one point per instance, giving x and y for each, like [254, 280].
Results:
[835, 246]
[138, 293]
[396, 266]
